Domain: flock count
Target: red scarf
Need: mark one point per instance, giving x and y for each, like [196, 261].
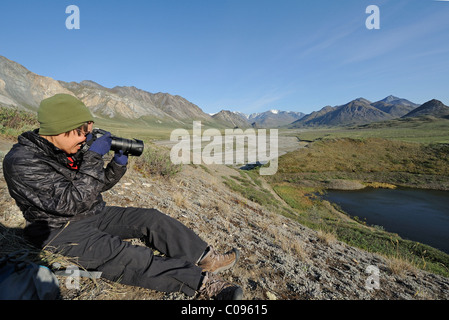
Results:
[72, 164]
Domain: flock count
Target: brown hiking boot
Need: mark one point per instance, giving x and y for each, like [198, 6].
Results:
[214, 262]
[217, 289]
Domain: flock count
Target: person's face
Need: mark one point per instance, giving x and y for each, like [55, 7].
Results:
[70, 143]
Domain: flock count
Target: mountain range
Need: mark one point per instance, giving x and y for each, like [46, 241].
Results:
[268, 119]
[358, 111]
[23, 89]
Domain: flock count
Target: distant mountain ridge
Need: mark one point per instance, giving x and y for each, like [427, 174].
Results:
[358, 111]
[274, 118]
[23, 89]
[268, 119]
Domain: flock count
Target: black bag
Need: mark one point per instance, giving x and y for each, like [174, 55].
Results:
[25, 280]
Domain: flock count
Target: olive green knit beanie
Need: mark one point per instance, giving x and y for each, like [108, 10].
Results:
[62, 113]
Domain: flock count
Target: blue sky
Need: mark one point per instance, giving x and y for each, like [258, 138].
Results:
[241, 55]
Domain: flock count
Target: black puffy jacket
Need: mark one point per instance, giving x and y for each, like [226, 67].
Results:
[47, 190]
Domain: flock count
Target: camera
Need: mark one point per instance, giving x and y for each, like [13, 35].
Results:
[129, 147]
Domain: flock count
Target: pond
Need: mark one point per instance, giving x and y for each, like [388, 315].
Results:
[415, 214]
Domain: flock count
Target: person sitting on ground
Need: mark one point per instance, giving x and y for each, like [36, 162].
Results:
[57, 185]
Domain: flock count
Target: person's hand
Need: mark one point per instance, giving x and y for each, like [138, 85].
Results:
[102, 145]
[120, 158]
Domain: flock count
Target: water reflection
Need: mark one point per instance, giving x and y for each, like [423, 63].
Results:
[414, 214]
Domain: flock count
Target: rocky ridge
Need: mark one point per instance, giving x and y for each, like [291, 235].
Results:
[21, 88]
[280, 259]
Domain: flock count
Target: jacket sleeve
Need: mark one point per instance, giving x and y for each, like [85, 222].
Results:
[48, 186]
[113, 173]
[109, 176]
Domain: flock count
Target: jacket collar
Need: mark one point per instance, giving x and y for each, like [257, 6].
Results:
[34, 140]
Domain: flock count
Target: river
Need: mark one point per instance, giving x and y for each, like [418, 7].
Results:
[415, 214]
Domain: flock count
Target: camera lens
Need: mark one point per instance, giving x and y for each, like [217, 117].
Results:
[131, 147]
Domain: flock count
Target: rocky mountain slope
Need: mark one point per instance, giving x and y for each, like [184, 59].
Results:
[24, 89]
[133, 103]
[433, 108]
[280, 259]
[395, 106]
[233, 118]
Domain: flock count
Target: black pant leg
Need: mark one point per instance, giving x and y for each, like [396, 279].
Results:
[121, 261]
[163, 233]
